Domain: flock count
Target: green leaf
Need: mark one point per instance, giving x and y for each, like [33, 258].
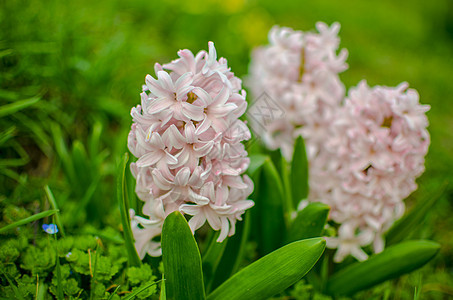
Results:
[408, 224]
[391, 263]
[163, 296]
[29, 220]
[268, 213]
[16, 106]
[299, 172]
[133, 258]
[234, 252]
[273, 273]
[309, 222]
[288, 203]
[181, 259]
[54, 205]
[211, 259]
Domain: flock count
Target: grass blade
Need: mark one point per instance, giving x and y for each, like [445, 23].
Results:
[58, 268]
[114, 292]
[391, 263]
[181, 259]
[135, 293]
[273, 273]
[29, 220]
[16, 106]
[133, 258]
[53, 203]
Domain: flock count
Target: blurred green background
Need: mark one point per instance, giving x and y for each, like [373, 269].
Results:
[79, 67]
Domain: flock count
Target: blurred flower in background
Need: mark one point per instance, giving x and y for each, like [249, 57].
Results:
[300, 71]
[364, 151]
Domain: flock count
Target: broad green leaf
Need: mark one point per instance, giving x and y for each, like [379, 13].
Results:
[134, 260]
[391, 263]
[54, 205]
[16, 106]
[299, 172]
[309, 222]
[211, 259]
[234, 252]
[268, 211]
[273, 273]
[408, 224]
[29, 220]
[181, 259]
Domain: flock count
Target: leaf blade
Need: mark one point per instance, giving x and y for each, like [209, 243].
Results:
[16, 106]
[181, 259]
[299, 172]
[391, 263]
[309, 222]
[273, 273]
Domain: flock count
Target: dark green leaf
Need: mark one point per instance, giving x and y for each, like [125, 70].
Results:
[211, 259]
[309, 222]
[391, 263]
[269, 214]
[408, 224]
[299, 172]
[273, 273]
[234, 252]
[181, 259]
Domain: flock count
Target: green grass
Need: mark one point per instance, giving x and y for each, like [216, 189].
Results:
[86, 61]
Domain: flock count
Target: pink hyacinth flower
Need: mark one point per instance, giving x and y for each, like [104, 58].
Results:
[187, 137]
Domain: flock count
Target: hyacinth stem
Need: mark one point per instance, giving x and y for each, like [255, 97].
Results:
[133, 259]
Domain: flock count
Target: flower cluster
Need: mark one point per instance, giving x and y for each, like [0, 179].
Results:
[364, 152]
[187, 137]
[300, 71]
[375, 154]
